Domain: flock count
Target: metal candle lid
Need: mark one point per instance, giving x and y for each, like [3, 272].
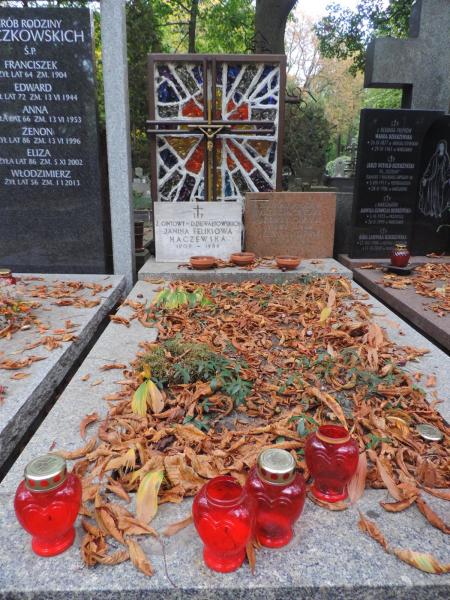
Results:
[276, 466]
[5, 272]
[45, 473]
[400, 246]
[429, 432]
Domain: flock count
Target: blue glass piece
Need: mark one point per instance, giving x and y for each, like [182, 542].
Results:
[263, 91]
[198, 74]
[219, 74]
[168, 158]
[274, 84]
[272, 154]
[186, 190]
[228, 186]
[269, 100]
[237, 97]
[233, 72]
[166, 93]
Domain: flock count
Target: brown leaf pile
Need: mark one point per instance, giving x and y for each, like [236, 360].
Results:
[305, 367]
[431, 280]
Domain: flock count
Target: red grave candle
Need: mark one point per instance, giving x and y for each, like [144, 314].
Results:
[224, 518]
[332, 458]
[280, 495]
[47, 504]
[7, 278]
[400, 256]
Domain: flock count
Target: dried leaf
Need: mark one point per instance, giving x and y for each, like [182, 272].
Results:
[147, 495]
[154, 398]
[88, 419]
[119, 320]
[388, 481]
[251, 556]
[74, 454]
[421, 561]
[332, 404]
[398, 506]
[115, 558]
[111, 366]
[97, 382]
[85, 377]
[357, 484]
[139, 402]
[371, 529]
[431, 516]
[442, 494]
[18, 376]
[174, 528]
[325, 314]
[138, 558]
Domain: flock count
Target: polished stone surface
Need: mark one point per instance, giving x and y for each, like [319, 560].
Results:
[54, 218]
[307, 268]
[26, 398]
[328, 559]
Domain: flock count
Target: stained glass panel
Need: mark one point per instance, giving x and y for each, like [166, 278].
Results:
[230, 139]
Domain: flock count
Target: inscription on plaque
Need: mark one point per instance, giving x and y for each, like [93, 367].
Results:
[387, 179]
[53, 218]
[187, 229]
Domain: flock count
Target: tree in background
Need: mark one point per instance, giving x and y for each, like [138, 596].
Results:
[270, 25]
[345, 33]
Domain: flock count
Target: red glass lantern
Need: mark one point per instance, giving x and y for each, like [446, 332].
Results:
[279, 492]
[7, 278]
[47, 503]
[400, 256]
[224, 516]
[332, 458]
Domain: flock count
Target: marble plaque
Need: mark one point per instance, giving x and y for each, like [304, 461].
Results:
[189, 229]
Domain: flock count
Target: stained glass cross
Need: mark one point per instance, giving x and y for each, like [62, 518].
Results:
[215, 125]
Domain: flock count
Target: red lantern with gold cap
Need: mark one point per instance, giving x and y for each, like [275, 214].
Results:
[47, 504]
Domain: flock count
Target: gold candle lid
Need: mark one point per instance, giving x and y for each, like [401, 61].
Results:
[5, 272]
[45, 473]
[400, 246]
[276, 466]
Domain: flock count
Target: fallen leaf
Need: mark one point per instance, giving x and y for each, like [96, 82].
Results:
[431, 516]
[97, 382]
[74, 454]
[88, 419]
[174, 528]
[147, 495]
[119, 320]
[357, 484]
[251, 556]
[325, 314]
[85, 377]
[398, 506]
[19, 376]
[431, 381]
[371, 529]
[421, 561]
[138, 558]
[112, 366]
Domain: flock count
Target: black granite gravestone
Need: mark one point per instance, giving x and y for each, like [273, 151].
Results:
[393, 145]
[53, 216]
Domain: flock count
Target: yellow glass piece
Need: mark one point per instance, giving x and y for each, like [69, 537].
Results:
[182, 145]
[219, 169]
[261, 146]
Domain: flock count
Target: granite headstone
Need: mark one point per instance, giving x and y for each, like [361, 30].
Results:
[290, 223]
[395, 149]
[54, 217]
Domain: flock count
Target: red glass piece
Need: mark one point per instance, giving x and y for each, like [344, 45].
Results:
[191, 109]
[224, 517]
[278, 508]
[332, 458]
[49, 516]
[230, 162]
[400, 256]
[195, 163]
[243, 160]
[237, 114]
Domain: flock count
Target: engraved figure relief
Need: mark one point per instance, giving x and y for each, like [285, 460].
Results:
[434, 192]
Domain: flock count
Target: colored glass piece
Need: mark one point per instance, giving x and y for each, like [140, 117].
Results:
[224, 517]
[166, 93]
[182, 144]
[168, 158]
[241, 158]
[332, 458]
[192, 109]
[195, 162]
[187, 188]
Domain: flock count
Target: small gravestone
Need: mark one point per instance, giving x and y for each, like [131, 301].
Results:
[420, 64]
[290, 223]
[53, 217]
[395, 171]
[197, 228]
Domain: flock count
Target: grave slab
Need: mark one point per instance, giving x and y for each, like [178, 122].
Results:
[25, 398]
[171, 271]
[328, 559]
[410, 305]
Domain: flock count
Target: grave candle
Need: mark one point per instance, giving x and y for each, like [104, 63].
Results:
[47, 502]
[224, 517]
[279, 492]
[332, 459]
[400, 256]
